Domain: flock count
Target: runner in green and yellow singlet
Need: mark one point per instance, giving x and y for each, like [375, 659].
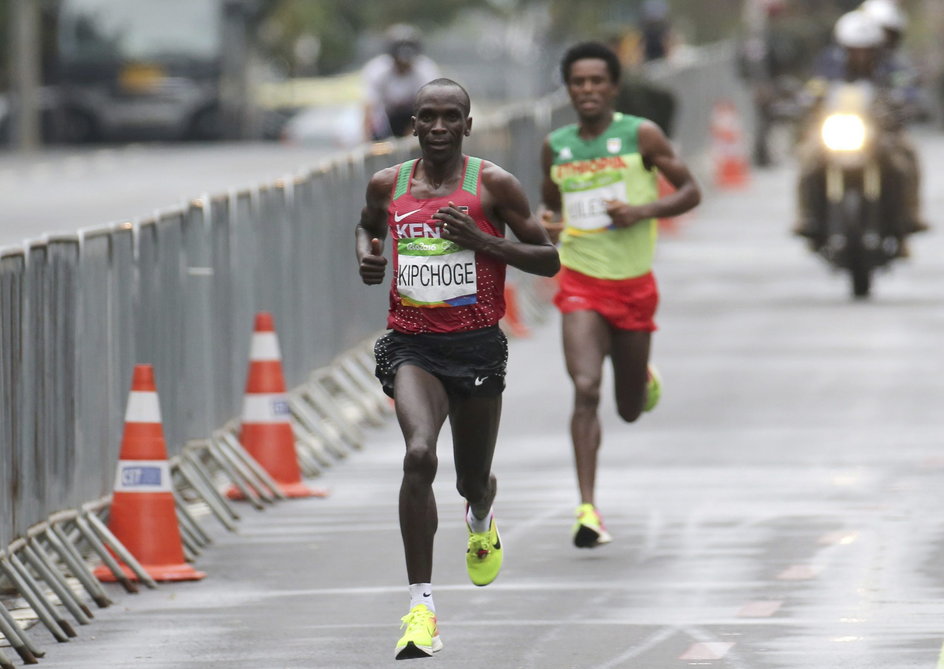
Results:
[602, 201]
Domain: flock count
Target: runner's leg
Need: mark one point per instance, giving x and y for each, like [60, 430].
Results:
[630, 355]
[586, 343]
[474, 423]
[422, 406]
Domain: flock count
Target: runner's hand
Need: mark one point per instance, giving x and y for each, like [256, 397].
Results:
[623, 215]
[457, 226]
[373, 266]
[552, 225]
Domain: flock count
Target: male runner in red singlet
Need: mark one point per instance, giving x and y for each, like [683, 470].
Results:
[602, 198]
[445, 356]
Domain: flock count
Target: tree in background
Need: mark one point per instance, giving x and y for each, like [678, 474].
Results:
[331, 28]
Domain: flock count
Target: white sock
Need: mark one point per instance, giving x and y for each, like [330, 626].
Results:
[478, 526]
[422, 593]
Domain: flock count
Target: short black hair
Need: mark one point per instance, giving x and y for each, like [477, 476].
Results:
[442, 81]
[596, 50]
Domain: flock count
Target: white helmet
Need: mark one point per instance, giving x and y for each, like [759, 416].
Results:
[887, 13]
[858, 30]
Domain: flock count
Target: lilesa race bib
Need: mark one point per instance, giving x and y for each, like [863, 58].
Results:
[434, 273]
[586, 208]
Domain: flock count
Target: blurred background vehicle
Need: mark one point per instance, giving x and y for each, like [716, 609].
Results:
[132, 68]
[334, 126]
[111, 70]
[322, 112]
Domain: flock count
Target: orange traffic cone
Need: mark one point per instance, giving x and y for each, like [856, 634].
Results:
[266, 421]
[730, 155]
[513, 321]
[143, 516]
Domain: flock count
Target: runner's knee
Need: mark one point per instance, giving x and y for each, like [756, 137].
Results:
[587, 391]
[629, 411]
[420, 462]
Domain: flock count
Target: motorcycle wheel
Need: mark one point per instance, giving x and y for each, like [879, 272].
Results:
[861, 273]
[854, 207]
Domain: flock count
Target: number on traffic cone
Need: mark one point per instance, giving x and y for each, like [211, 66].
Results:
[266, 431]
[143, 516]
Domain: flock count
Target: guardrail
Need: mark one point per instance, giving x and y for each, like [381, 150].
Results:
[179, 291]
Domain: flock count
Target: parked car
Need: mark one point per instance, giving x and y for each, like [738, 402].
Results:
[330, 126]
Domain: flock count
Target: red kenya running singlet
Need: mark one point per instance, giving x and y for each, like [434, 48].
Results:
[438, 286]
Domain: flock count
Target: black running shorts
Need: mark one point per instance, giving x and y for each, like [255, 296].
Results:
[469, 364]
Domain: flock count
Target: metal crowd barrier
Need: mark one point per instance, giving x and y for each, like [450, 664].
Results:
[179, 291]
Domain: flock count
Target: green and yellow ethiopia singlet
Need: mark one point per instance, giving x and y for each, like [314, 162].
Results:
[587, 172]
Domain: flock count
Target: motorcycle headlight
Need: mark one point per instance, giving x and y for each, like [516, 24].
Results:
[844, 132]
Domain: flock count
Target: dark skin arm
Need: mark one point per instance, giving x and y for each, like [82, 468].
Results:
[372, 228]
[550, 196]
[657, 152]
[505, 204]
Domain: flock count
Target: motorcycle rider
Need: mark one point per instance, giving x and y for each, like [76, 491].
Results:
[856, 55]
[901, 77]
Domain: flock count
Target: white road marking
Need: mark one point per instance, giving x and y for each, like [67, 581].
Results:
[638, 649]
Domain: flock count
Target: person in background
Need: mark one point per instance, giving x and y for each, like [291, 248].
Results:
[602, 201]
[391, 81]
[901, 79]
[858, 52]
[638, 95]
[772, 61]
[655, 30]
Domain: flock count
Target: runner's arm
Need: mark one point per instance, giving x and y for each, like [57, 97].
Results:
[658, 153]
[371, 230]
[550, 211]
[505, 204]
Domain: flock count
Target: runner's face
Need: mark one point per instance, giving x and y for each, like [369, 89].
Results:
[440, 122]
[591, 90]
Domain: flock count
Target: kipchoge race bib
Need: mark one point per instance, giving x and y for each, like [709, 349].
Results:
[584, 200]
[435, 272]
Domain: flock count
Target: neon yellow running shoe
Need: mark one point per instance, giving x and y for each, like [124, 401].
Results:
[483, 558]
[421, 638]
[653, 388]
[589, 530]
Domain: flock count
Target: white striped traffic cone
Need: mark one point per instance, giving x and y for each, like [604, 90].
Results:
[266, 420]
[143, 516]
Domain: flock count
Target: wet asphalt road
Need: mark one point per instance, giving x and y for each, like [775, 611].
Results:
[781, 509]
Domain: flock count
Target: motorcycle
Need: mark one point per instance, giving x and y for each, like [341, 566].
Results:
[857, 202]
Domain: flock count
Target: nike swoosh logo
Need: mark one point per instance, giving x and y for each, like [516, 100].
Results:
[427, 594]
[479, 380]
[399, 217]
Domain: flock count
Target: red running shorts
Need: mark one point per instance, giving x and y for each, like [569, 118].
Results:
[626, 304]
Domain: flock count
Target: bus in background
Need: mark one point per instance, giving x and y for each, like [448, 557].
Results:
[140, 69]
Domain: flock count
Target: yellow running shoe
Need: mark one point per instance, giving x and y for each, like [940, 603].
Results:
[589, 530]
[483, 558]
[421, 638]
[653, 388]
